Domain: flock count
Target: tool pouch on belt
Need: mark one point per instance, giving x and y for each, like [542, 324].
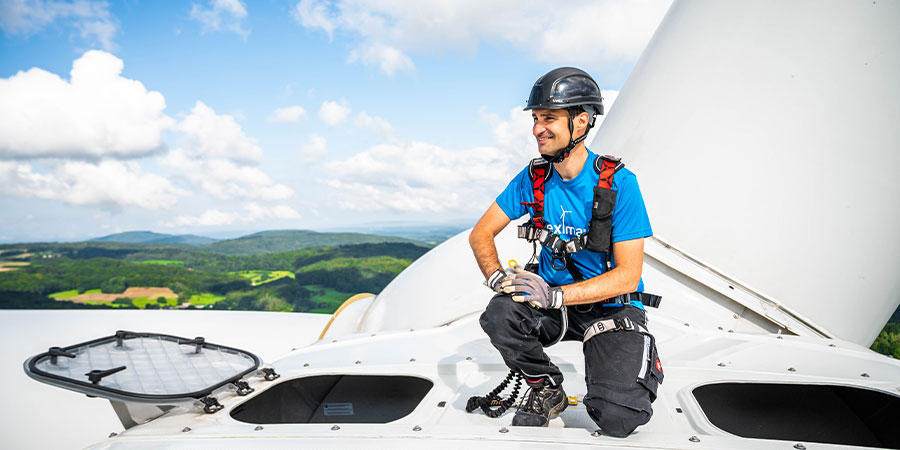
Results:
[622, 366]
[600, 228]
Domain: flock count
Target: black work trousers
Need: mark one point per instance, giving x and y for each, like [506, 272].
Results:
[622, 369]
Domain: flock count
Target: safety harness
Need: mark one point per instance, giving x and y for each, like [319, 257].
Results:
[598, 238]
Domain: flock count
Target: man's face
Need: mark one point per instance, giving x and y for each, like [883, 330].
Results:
[551, 129]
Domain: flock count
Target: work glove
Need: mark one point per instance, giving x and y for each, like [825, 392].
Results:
[528, 287]
[495, 280]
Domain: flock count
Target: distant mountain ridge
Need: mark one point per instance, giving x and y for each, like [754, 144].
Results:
[149, 237]
[286, 240]
[262, 242]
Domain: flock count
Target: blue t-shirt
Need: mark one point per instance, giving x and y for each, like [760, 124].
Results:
[567, 212]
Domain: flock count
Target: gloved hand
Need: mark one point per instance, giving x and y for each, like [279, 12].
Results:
[528, 287]
[495, 279]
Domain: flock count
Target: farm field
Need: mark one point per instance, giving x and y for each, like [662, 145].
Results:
[140, 297]
[6, 266]
[258, 277]
[164, 262]
[327, 299]
[206, 299]
[136, 294]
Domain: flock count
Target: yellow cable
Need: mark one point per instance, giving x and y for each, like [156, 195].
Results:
[341, 308]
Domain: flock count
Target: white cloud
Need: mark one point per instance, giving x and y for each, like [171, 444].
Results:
[110, 184]
[218, 136]
[97, 113]
[209, 218]
[589, 33]
[287, 114]
[389, 59]
[420, 177]
[91, 19]
[315, 149]
[333, 113]
[221, 15]
[252, 212]
[513, 134]
[256, 211]
[374, 123]
[314, 14]
[223, 179]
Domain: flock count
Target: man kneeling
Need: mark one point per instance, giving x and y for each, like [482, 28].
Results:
[586, 283]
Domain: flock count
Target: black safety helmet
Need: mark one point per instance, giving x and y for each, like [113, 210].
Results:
[565, 88]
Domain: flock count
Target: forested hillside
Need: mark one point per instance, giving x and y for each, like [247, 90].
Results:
[100, 274]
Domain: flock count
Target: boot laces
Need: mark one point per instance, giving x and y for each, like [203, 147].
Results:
[533, 401]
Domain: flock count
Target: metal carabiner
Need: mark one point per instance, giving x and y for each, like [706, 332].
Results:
[558, 257]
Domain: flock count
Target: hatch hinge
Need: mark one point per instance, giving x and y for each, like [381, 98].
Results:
[269, 373]
[243, 387]
[211, 405]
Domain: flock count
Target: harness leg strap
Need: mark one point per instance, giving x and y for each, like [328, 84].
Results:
[603, 326]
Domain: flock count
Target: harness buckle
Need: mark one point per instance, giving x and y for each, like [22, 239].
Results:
[611, 158]
[556, 243]
[627, 324]
[528, 231]
[574, 245]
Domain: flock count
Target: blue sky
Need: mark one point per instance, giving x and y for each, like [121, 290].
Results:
[213, 117]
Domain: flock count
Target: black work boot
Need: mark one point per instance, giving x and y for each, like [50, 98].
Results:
[542, 403]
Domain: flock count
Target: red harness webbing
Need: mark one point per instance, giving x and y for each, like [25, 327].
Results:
[539, 174]
[608, 166]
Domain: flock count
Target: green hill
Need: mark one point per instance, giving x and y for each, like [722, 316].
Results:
[287, 240]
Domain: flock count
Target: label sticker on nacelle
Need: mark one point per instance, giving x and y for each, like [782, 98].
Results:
[338, 409]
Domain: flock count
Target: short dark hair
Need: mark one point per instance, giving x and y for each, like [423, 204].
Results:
[574, 111]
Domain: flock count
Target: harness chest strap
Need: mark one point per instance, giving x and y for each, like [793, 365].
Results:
[550, 239]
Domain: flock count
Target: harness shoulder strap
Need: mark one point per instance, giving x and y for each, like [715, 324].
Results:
[539, 170]
[607, 166]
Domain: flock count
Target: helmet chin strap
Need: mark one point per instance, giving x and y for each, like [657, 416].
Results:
[564, 153]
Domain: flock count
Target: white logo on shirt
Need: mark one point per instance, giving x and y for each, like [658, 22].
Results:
[563, 229]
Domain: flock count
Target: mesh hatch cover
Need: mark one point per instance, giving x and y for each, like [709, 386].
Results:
[142, 367]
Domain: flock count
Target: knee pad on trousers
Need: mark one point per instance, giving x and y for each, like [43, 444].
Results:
[614, 419]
